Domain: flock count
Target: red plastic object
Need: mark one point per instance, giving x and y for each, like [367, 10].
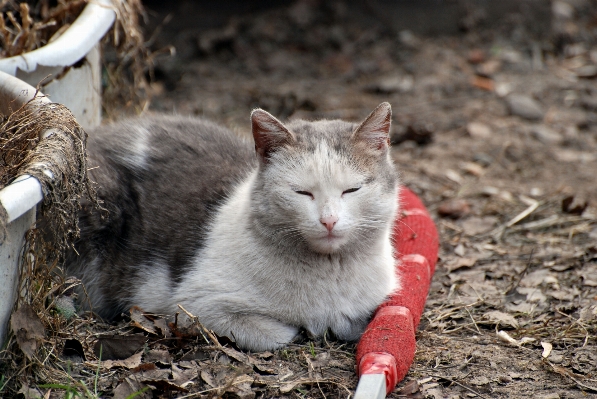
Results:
[388, 344]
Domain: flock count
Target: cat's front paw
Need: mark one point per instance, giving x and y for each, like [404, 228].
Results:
[260, 333]
[349, 330]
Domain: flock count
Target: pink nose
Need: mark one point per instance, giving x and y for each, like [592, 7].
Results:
[329, 222]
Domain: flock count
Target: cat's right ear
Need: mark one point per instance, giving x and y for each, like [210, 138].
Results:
[269, 134]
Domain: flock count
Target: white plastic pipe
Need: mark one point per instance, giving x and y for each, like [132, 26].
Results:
[371, 386]
[20, 196]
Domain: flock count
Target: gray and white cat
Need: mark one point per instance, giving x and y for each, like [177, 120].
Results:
[257, 241]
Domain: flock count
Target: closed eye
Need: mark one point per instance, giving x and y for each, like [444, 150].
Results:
[304, 193]
[351, 190]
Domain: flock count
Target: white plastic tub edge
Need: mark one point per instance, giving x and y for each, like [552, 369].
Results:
[80, 87]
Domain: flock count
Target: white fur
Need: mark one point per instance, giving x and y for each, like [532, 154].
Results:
[137, 149]
[248, 290]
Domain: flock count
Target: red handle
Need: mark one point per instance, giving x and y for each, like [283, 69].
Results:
[388, 344]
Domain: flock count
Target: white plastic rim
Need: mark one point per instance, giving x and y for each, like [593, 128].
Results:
[87, 30]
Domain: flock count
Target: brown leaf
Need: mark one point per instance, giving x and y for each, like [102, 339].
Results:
[139, 320]
[457, 263]
[129, 363]
[209, 380]
[129, 387]
[454, 208]
[156, 355]
[476, 225]
[409, 388]
[28, 329]
[163, 328]
[500, 318]
[116, 347]
[160, 378]
[182, 377]
[483, 83]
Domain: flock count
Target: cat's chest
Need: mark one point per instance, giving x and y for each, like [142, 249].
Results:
[345, 286]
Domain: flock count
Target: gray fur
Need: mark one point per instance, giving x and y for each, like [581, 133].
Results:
[236, 235]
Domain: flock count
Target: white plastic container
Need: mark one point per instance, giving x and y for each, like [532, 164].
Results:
[79, 89]
[72, 62]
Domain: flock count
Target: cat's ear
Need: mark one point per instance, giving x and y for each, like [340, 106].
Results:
[269, 134]
[375, 130]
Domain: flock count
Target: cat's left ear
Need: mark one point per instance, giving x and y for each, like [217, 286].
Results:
[269, 134]
[375, 130]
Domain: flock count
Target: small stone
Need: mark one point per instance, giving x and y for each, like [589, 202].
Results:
[505, 379]
[586, 71]
[562, 10]
[459, 250]
[391, 84]
[556, 358]
[478, 130]
[483, 159]
[473, 168]
[524, 106]
[490, 191]
[546, 135]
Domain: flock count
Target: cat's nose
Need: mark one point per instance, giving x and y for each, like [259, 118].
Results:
[329, 222]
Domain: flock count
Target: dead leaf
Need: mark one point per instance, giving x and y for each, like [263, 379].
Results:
[30, 393]
[241, 387]
[411, 390]
[163, 328]
[129, 387]
[483, 83]
[156, 355]
[160, 379]
[183, 378]
[117, 347]
[128, 363]
[457, 263]
[500, 318]
[504, 336]
[28, 329]
[476, 225]
[139, 320]
[454, 209]
[208, 378]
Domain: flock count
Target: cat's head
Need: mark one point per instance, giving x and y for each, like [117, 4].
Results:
[326, 184]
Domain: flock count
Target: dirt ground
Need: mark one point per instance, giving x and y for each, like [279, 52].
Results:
[495, 128]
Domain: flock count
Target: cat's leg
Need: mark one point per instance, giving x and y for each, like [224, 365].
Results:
[349, 329]
[255, 332]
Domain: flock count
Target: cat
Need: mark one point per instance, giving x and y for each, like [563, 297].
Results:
[256, 239]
